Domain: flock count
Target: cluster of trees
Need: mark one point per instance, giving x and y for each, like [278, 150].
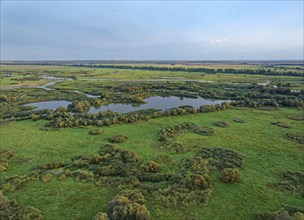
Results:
[203, 70]
[61, 119]
[79, 106]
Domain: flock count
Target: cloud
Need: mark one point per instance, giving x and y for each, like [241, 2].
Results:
[218, 41]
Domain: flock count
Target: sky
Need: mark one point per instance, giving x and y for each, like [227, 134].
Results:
[151, 30]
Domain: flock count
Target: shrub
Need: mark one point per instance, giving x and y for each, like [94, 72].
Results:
[51, 165]
[230, 175]
[101, 216]
[299, 138]
[10, 209]
[6, 155]
[194, 165]
[297, 117]
[96, 132]
[34, 117]
[128, 206]
[221, 158]
[282, 124]
[118, 139]
[285, 213]
[3, 166]
[199, 181]
[151, 167]
[222, 124]
[239, 120]
[292, 182]
[46, 177]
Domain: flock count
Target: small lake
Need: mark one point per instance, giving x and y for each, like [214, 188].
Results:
[156, 102]
[52, 105]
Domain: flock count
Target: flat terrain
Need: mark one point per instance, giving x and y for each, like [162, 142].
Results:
[262, 143]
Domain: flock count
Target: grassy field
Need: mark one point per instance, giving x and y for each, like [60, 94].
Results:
[267, 153]
[87, 75]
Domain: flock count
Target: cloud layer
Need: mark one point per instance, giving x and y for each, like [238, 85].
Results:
[151, 30]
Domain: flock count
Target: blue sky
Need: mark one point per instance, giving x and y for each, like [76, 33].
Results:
[151, 30]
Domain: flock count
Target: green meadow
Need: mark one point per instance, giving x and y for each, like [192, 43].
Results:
[266, 151]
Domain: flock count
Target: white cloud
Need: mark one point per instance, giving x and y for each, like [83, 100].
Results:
[218, 41]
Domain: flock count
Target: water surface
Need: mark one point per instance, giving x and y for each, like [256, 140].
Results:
[156, 102]
[52, 105]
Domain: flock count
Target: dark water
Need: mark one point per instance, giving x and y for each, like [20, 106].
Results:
[156, 102]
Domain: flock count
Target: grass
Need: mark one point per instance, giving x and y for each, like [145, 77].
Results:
[87, 75]
[267, 153]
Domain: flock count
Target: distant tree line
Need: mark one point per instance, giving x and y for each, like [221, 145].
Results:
[202, 70]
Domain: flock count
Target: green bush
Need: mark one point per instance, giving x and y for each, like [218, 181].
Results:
[292, 182]
[10, 209]
[230, 175]
[285, 213]
[282, 124]
[151, 167]
[118, 139]
[128, 206]
[96, 132]
[239, 120]
[222, 124]
[299, 138]
[200, 181]
[221, 158]
[101, 216]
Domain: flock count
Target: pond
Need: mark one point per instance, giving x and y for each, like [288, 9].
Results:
[156, 102]
[52, 105]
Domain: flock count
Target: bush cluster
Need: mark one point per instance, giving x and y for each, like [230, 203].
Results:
[292, 182]
[96, 132]
[285, 213]
[230, 175]
[5, 157]
[282, 124]
[296, 137]
[239, 120]
[118, 138]
[151, 167]
[221, 158]
[128, 205]
[222, 124]
[168, 136]
[10, 209]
